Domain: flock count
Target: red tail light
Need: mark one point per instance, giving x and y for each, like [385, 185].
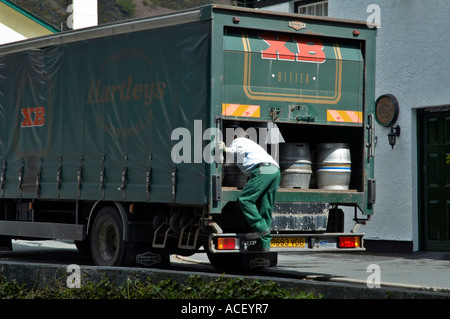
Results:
[349, 242]
[226, 243]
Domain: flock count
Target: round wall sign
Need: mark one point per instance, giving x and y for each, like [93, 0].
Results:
[386, 110]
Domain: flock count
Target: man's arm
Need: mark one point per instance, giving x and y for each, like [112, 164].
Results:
[221, 145]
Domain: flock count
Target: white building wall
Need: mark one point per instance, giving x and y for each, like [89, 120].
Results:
[282, 7]
[9, 35]
[413, 42]
[84, 14]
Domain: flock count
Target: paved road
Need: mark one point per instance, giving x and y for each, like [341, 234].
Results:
[51, 252]
[421, 269]
[424, 269]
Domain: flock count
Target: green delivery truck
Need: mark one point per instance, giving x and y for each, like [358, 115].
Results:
[108, 134]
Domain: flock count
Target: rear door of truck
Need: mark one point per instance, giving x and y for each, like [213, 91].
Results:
[307, 76]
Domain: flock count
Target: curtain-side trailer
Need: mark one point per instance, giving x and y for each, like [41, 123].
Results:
[108, 134]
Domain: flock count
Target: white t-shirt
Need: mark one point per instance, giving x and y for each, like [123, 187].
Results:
[249, 154]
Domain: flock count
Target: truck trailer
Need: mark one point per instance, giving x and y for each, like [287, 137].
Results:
[108, 134]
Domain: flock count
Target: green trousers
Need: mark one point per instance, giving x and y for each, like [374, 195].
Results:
[261, 188]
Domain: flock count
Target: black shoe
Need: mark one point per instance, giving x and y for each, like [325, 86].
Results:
[256, 235]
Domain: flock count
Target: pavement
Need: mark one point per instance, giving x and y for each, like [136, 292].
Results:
[426, 269]
[421, 271]
[334, 275]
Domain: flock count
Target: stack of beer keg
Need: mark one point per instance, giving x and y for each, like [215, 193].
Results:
[332, 166]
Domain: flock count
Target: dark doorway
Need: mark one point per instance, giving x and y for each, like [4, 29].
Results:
[434, 178]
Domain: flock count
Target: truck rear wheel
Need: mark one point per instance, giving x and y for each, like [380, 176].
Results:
[5, 243]
[108, 248]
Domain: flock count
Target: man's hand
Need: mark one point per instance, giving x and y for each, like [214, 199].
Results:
[221, 146]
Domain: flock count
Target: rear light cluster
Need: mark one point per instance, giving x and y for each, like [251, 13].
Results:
[349, 242]
[233, 243]
[227, 243]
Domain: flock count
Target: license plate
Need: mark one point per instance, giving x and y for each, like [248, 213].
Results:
[287, 242]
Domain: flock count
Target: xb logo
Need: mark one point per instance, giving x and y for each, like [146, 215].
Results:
[307, 49]
[33, 116]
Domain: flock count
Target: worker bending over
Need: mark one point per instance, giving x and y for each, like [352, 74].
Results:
[261, 187]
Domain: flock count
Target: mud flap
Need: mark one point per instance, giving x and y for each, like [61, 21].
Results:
[243, 261]
[153, 259]
[258, 260]
[140, 255]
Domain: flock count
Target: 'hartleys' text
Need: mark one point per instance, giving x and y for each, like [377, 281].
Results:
[125, 91]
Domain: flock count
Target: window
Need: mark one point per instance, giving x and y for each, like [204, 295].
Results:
[314, 8]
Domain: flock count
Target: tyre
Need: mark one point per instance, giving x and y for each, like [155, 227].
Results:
[83, 247]
[225, 262]
[107, 245]
[243, 261]
[5, 243]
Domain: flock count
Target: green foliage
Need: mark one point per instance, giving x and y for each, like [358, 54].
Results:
[195, 287]
[12, 290]
[127, 6]
[180, 4]
[236, 288]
